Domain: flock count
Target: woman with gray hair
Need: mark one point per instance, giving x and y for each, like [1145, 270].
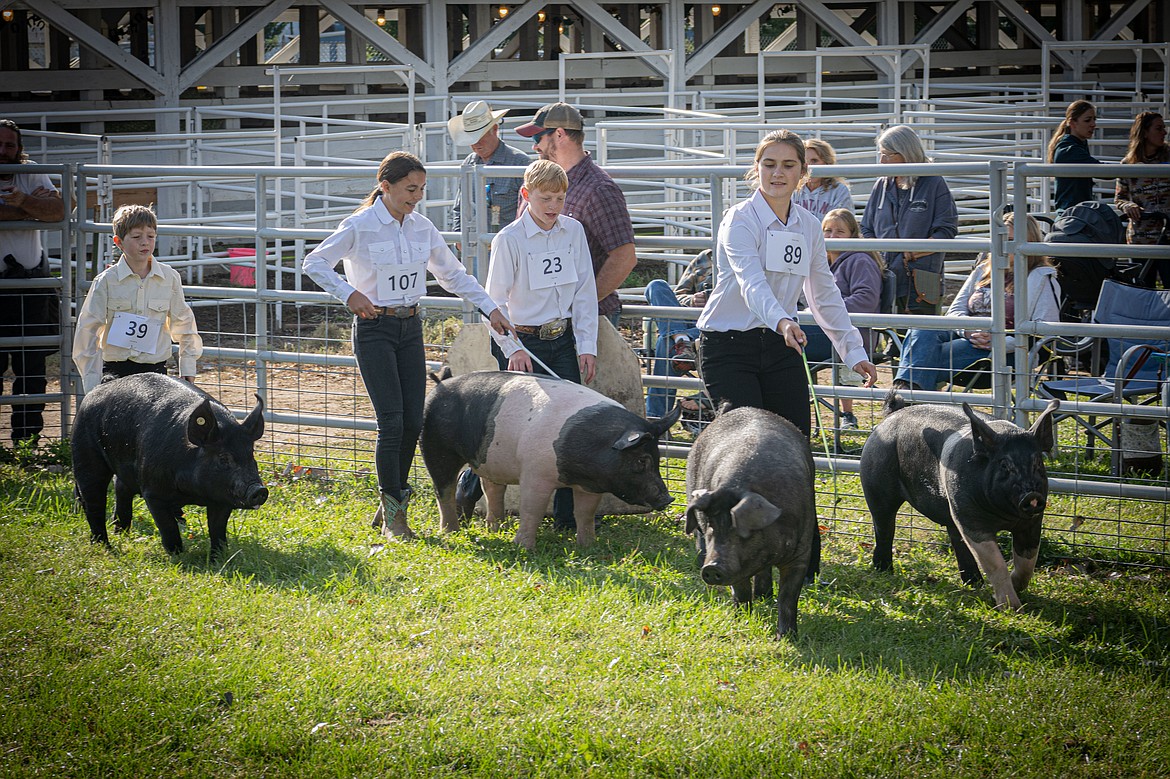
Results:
[911, 207]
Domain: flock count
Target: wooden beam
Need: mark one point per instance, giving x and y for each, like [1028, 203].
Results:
[1119, 22]
[484, 45]
[100, 45]
[937, 27]
[726, 34]
[227, 45]
[1022, 18]
[379, 39]
[620, 34]
[843, 32]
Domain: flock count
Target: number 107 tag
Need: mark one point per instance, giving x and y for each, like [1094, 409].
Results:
[786, 253]
[403, 282]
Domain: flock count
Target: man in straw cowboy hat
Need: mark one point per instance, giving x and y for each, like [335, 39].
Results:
[479, 127]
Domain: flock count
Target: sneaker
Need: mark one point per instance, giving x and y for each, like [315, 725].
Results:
[848, 421]
[682, 355]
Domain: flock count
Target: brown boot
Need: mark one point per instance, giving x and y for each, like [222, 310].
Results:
[394, 526]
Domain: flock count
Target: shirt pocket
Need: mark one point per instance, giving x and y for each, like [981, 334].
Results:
[121, 302]
[382, 252]
[420, 251]
[158, 308]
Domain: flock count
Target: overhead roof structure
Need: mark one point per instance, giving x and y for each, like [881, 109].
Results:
[103, 54]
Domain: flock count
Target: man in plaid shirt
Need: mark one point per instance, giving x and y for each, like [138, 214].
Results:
[594, 200]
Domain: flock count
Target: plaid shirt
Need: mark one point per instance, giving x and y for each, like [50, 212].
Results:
[595, 201]
[695, 279]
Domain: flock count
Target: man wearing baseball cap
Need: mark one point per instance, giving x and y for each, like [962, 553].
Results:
[594, 200]
[479, 127]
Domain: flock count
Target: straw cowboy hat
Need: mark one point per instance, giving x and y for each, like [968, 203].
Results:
[477, 118]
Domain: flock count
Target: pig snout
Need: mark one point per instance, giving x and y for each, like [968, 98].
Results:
[662, 500]
[715, 573]
[1033, 503]
[255, 496]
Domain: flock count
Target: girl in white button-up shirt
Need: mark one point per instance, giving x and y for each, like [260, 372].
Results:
[768, 252]
[386, 250]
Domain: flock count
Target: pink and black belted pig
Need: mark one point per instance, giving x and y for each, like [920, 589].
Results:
[974, 475]
[752, 506]
[540, 433]
[171, 443]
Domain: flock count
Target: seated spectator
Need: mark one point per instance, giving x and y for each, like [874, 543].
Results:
[674, 350]
[822, 195]
[1138, 198]
[859, 277]
[1070, 145]
[932, 357]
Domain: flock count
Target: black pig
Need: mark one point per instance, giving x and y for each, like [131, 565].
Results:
[173, 444]
[974, 475]
[752, 506]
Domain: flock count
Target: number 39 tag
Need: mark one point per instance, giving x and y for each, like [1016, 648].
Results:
[133, 331]
[786, 253]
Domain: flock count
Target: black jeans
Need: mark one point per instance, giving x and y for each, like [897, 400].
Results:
[25, 313]
[393, 365]
[756, 368]
[123, 368]
[560, 355]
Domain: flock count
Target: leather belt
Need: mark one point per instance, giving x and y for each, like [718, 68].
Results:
[549, 331]
[400, 312]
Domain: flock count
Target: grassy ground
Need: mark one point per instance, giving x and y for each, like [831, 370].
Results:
[316, 651]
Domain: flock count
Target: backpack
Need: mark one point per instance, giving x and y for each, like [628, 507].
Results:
[1089, 222]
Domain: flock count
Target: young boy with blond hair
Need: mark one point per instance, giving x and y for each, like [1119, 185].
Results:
[134, 310]
[541, 277]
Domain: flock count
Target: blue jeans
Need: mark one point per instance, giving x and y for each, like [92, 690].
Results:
[931, 357]
[659, 400]
[393, 365]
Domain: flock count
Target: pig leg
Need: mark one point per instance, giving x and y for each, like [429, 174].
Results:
[443, 466]
[217, 524]
[445, 497]
[534, 499]
[763, 584]
[495, 503]
[814, 557]
[91, 490]
[791, 579]
[584, 508]
[168, 528]
[994, 567]
[1025, 550]
[741, 591]
[968, 568]
[123, 504]
[884, 511]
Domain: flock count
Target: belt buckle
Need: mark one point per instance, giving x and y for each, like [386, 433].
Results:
[550, 331]
[404, 312]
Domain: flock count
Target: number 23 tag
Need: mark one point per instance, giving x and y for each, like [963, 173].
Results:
[786, 252]
[551, 269]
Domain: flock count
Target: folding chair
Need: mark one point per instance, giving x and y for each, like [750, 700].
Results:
[1130, 374]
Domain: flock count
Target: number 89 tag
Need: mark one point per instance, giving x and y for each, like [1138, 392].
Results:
[786, 252]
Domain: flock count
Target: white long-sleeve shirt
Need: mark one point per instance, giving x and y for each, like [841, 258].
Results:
[387, 261]
[523, 253]
[748, 296]
[154, 302]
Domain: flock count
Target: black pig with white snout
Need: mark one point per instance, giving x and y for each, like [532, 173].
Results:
[173, 444]
[974, 475]
[752, 506]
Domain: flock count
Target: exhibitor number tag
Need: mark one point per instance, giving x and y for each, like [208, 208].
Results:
[133, 331]
[551, 269]
[786, 252]
[405, 282]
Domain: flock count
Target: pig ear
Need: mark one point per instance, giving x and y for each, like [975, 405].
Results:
[254, 422]
[986, 441]
[1043, 427]
[700, 500]
[666, 422]
[753, 512]
[202, 428]
[631, 438]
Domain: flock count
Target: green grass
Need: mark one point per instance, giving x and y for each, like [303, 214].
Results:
[313, 651]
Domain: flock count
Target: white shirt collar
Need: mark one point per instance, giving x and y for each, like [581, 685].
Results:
[531, 228]
[759, 205]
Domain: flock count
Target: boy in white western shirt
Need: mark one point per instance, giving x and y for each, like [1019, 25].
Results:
[134, 310]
